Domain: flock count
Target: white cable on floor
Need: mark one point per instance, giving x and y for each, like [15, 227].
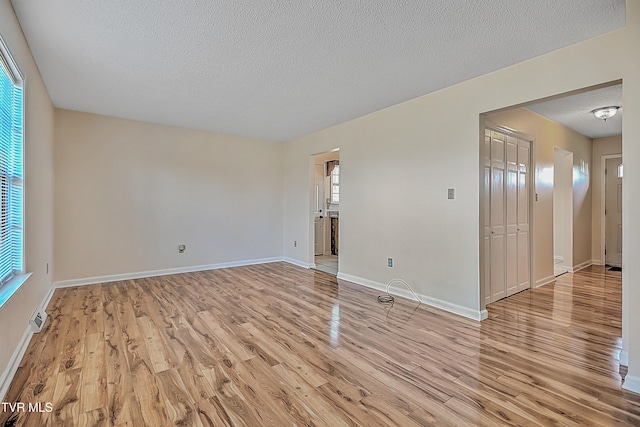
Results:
[388, 299]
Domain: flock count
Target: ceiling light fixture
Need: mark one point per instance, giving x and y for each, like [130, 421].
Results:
[605, 113]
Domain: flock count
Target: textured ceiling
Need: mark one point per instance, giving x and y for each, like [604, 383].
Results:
[279, 69]
[574, 111]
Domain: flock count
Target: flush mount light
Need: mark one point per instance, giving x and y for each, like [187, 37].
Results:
[605, 113]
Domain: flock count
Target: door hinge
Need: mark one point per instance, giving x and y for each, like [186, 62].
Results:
[606, 171]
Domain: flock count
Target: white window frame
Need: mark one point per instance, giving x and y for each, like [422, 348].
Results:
[10, 284]
[335, 173]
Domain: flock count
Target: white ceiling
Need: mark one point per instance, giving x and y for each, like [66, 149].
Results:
[574, 111]
[279, 69]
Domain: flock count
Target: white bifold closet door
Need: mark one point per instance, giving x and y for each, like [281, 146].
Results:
[507, 193]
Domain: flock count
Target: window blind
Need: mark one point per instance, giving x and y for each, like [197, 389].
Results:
[11, 171]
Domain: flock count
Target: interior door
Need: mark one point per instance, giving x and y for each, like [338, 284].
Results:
[512, 216]
[524, 176]
[498, 229]
[486, 195]
[507, 192]
[613, 212]
[319, 236]
[319, 210]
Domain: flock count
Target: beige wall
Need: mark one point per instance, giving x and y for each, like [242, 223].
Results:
[411, 154]
[601, 147]
[128, 222]
[630, 195]
[14, 315]
[549, 135]
[431, 143]
[128, 193]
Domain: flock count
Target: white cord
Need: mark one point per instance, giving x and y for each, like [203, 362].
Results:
[387, 299]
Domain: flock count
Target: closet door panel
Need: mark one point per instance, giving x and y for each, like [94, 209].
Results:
[497, 215]
[506, 212]
[487, 217]
[524, 194]
[511, 218]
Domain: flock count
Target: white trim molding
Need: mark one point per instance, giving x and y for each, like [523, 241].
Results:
[47, 298]
[12, 367]
[11, 287]
[544, 281]
[581, 266]
[154, 273]
[299, 263]
[433, 302]
[603, 202]
[14, 362]
[631, 383]
[624, 358]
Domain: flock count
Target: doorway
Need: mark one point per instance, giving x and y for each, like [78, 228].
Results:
[613, 173]
[326, 211]
[507, 204]
[562, 211]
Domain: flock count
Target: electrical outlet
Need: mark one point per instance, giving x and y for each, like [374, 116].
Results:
[182, 248]
[295, 243]
[389, 262]
[451, 193]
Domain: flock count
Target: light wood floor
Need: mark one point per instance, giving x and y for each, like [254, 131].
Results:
[327, 263]
[277, 345]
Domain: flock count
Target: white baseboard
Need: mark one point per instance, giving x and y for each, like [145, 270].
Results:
[597, 262]
[18, 354]
[48, 297]
[298, 263]
[544, 281]
[153, 273]
[631, 383]
[433, 302]
[624, 358]
[581, 266]
[14, 362]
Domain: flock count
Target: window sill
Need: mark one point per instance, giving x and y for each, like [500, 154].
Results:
[11, 287]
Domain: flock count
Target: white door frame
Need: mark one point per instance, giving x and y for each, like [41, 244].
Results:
[603, 221]
[568, 195]
[312, 206]
[487, 124]
[319, 211]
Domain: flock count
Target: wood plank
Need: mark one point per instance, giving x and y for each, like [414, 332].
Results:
[274, 344]
[67, 397]
[179, 405]
[94, 418]
[122, 404]
[93, 389]
[35, 380]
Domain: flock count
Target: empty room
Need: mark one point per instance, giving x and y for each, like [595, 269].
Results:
[319, 213]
